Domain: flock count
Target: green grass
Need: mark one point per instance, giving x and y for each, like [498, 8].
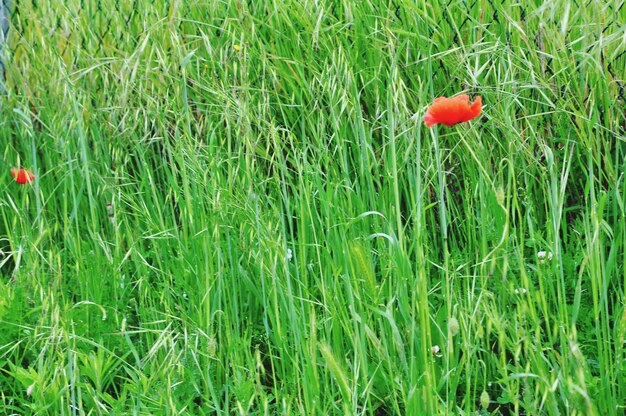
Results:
[273, 230]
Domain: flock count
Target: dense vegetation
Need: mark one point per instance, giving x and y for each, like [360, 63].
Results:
[238, 208]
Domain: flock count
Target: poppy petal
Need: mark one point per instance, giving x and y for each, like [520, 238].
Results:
[22, 176]
[450, 111]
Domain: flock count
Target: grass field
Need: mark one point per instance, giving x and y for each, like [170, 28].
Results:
[239, 210]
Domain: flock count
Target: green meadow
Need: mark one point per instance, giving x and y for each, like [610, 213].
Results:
[238, 209]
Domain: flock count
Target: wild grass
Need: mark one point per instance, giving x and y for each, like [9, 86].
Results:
[239, 210]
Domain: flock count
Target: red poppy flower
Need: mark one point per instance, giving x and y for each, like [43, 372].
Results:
[450, 111]
[22, 176]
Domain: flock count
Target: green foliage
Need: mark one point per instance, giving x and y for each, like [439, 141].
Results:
[238, 209]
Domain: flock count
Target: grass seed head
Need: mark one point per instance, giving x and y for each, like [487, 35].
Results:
[453, 326]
